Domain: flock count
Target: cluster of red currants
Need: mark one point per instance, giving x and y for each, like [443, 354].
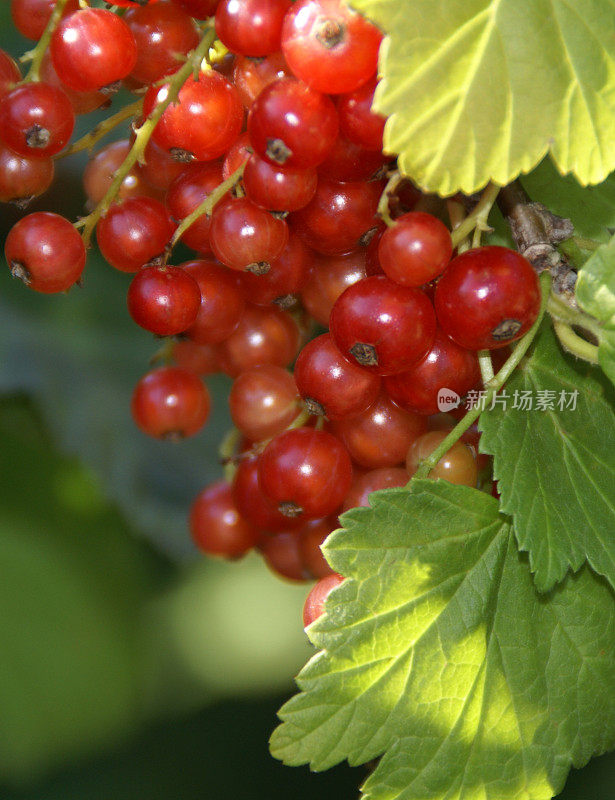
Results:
[278, 135]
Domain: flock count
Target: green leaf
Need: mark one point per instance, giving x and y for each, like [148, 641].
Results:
[555, 467]
[482, 90]
[595, 291]
[438, 652]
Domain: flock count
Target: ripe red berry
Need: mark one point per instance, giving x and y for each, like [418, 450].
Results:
[217, 527]
[330, 384]
[164, 300]
[278, 188]
[81, 102]
[416, 249]
[357, 120]
[170, 403]
[263, 401]
[36, 120]
[311, 535]
[329, 46]
[251, 75]
[30, 17]
[372, 481]
[457, 465]
[305, 473]
[292, 125]
[384, 327]
[487, 298]
[315, 602]
[221, 303]
[282, 555]
[92, 48]
[199, 9]
[251, 501]
[330, 276]
[252, 27]
[46, 252]
[134, 233]
[22, 178]
[9, 73]
[288, 274]
[204, 122]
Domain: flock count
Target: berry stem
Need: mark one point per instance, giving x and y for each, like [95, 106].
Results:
[477, 219]
[144, 131]
[207, 205]
[456, 215]
[562, 312]
[36, 55]
[492, 386]
[383, 205]
[486, 366]
[574, 344]
[99, 131]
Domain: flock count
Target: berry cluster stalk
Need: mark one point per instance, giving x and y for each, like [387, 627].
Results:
[36, 55]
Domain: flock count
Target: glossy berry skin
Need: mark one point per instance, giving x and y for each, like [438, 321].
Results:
[348, 161]
[199, 9]
[221, 301]
[191, 187]
[252, 503]
[36, 120]
[160, 168]
[328, 46]
[291, 125]
[100, 172]
[30, 17]
[134, 233]
[446, 366]
[170, 403]
[381, 435]
[263, 401]
[457, 465]
[288, 274]
[330, 276]
[314, 606]
[92, 49]
[9, 73]
[246, 237]
[45, 251]
[252, 27]
[339, 216]
[82, 102]
[330, 384]
[282, 554]
[161, 31]
[202, 359]
[487, 298]
[311, 536]
[357, 120]
[305, 473]
[416, 249]
[251, 75]
[373, 481]
[384, 327]
[206, 120]
[278, 188]
[163, 300]
[22, 178]
[265, 335]
[216, 525]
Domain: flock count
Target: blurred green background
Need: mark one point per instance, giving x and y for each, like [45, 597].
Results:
[129, 666]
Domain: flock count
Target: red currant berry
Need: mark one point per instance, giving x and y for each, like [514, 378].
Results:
[81, 102]
[263, 402]
[202, 359]
[329, 46]
[357, 120]
[45, 251]
[251, 501]
[306, 473]
[338, 216]
[458, 465]
[91, 49]
[162, 33]
[372, 481]
[221, 304]
[384, 327]
[22, 178]
[288, 274]
[416, 249]
[330, 276]
[446, 366]
[204, 122]
[331, 385]
[163, 300]
[283, 557]
[314, 606]
[381, 435]
[252, 27]
[291, 125]
[134, 233]
[251, 75]
[100, 171]
[263, 336]
[246, 237]
[9, 73]
[30, 17]
[217, 527]
[199, 9]
[348, 161]
[160, 168]
[487, 298]
[311, 536]
[170, 403]
[277, 188]
[36, 120]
